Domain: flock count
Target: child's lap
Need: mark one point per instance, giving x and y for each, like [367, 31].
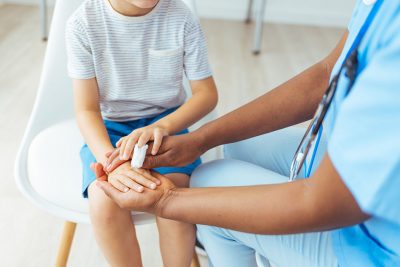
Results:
[116, 130]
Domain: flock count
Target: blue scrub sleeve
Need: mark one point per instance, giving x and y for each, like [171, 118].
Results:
[365, 143]
[354, 15]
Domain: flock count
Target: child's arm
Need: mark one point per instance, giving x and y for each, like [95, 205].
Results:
[204, 99]
[94, 132]
[89, 118]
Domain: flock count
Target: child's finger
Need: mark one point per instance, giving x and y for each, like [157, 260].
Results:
[158, 136]
[122, 148]
[99, 172]
[147, 175]
[119, 142]
[112, 155]
[130, 144]
[116, 162]
[127, 181]
[144, 138]
[117, 184]
[111, 158]
[140, 179]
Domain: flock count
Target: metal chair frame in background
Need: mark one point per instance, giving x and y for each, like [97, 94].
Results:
[259, 12]
[43, 19]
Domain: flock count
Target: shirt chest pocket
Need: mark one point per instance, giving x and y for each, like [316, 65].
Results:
[165, 65]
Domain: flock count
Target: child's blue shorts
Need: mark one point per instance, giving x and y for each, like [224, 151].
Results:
[116, 130]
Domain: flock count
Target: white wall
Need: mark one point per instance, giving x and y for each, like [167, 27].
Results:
[313, 12]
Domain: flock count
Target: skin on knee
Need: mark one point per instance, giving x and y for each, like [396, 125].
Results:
[177, 239]
[114, 230]
[102, 209]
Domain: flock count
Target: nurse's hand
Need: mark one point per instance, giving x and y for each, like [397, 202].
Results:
[148, 200]
[178, 150]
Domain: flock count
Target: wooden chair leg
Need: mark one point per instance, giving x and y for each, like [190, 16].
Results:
[65, 244]
[195, 261]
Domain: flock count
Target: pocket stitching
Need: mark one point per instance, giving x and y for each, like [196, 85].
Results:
[165, 52]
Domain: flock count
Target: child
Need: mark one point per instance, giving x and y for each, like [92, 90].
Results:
[127, 59]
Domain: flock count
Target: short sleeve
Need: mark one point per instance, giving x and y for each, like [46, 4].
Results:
[354, 15]
[196, 63]
[365, 142]
[80, 59]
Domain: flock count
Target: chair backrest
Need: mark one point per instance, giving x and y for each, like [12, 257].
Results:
[53, 101]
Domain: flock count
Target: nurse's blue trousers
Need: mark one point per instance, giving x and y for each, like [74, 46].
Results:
[261, 160]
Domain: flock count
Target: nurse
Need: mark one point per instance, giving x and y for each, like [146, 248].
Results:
[347, 211]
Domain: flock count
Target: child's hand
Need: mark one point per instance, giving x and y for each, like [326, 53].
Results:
[113, 160]
[141, 136]
[124, 178]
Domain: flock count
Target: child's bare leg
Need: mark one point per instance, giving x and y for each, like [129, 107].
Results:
[114, 230]
[177, 239]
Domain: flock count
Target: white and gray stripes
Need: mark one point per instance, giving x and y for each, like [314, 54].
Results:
[139, 62]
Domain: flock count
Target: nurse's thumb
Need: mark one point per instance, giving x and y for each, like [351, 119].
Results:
[151, 162]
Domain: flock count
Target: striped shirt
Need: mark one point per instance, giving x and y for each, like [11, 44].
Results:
[138, 62]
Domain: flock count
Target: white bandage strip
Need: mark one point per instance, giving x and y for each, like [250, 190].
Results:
[139, 155]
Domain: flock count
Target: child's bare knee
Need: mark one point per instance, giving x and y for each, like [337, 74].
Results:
[101, 208]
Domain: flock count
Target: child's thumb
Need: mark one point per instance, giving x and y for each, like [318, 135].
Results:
[99, 171]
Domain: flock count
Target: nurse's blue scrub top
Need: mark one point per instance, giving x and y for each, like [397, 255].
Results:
[363, 133]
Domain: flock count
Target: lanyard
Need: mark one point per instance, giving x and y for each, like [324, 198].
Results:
[364, 29]
[350, 66]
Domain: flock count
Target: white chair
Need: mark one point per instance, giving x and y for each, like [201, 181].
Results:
[48, 168]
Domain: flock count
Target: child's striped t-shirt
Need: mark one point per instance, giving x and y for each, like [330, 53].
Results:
[138, 62]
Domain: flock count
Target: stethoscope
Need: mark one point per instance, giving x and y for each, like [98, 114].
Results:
[314, 130]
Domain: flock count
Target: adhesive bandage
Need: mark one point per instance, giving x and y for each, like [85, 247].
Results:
[138, 156]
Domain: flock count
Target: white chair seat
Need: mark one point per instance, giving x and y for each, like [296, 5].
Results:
[55, 169]
[54, 166]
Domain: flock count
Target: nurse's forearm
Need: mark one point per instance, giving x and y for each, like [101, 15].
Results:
[290, 103]
[320, 203]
